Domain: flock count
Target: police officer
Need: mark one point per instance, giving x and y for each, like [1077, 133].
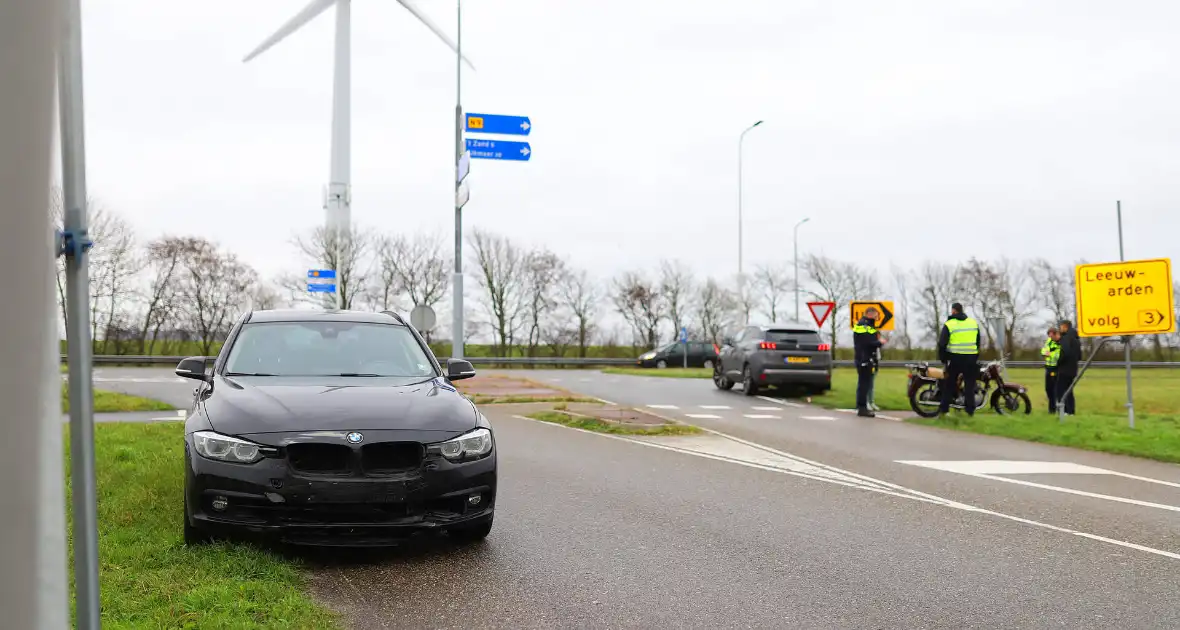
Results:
[865, 341]
[1052, 353]
[958, 348]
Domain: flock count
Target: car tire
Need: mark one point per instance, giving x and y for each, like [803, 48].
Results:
[708, 364]
[471, 534]
[193, 535]
[721, 381]
[661, 364]
[749, 387]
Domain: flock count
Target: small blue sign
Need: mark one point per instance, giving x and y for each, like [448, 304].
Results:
[497, 124]
[499, 150]
[321, 288]
[683, 335]
[329, 274]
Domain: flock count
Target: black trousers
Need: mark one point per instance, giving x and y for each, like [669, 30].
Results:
[968, 366]
[864, 380]
[1065, 377]
[1051, 387]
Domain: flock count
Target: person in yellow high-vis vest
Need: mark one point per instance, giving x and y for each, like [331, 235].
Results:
[1052, 353]
[958, 347]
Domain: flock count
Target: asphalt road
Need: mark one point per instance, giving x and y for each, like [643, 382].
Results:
[790, 517]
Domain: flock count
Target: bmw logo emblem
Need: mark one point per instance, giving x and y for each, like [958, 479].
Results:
[354, 437]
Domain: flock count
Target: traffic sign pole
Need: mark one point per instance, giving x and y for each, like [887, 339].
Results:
[457, 279]
[1127, 339]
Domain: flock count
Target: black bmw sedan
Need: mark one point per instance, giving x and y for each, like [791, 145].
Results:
[336, 428]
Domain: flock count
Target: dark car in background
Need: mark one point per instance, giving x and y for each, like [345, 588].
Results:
[781, 355]
[700, 354]
[334, 428]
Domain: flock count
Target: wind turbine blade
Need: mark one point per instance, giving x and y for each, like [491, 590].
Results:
[309, 13]
[409, 6]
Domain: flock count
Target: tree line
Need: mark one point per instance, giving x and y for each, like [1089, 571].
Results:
[532, 301]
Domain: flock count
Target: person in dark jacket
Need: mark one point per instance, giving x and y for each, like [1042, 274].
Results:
[865, 341]
[958, 348]
[1067, 363]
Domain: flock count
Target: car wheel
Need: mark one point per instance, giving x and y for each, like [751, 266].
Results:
[708, 364]
[749, 387]
[472, 534]
[720, 380]
[193, 535]
[661, 364]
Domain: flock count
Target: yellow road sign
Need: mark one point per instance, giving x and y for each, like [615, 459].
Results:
[1125, 298]
[475, 122]
[884, 313]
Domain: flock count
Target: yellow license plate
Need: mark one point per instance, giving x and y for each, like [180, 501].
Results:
[798, 359]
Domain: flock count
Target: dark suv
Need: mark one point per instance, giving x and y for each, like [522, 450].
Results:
[700, 354]
[780, 355]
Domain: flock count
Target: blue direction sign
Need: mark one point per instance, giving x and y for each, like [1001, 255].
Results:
[684, 335]
[321, 280]
[497, 124]
[481, 149]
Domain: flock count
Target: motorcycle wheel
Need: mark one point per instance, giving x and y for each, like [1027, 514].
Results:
[1006, 401]
[924, 400]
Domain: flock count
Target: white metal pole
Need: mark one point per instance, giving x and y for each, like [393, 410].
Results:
[73, 160]
[339, 219]
[741, 139]
[796, 246]
[457, 280]
[33, 582]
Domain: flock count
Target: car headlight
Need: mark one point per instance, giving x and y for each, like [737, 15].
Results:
[225, 448]
[647, 355]
[473, 445]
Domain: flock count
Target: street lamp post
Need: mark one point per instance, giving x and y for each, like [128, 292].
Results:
[741, 139]
[797, 266]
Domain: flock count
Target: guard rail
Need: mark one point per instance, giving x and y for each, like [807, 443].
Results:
[129, 359]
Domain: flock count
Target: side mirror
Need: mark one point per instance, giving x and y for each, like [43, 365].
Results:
[194, 368]
[458, 369]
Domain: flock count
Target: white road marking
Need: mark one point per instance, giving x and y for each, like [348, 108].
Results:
[973, 468]
[702, 416]
[818, 417]
[715, 407]
[762, 416]
[823, 472]
[663, 407]
[765, 408]
[182, 413]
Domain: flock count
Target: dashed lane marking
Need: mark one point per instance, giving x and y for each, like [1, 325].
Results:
[817, 417]
[777, 401]
[663, 407]
[766, 408]
[715, 407]
[702, 416]
[762, 416]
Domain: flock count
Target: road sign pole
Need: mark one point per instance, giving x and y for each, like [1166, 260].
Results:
[34, 588]
[457, 280]
[1126, 339]
[73, 156]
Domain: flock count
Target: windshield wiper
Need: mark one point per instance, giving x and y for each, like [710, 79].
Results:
[360, 374]
[247, 374]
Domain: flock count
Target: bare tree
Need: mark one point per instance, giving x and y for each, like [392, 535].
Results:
[1054, 288]
[744, 297]
[214, 285]
[345, 252]
[416, 266]
[579, 296]
[500, 268]
[165, 261]
[638, 300]
[901, 288]
[834, 284]
[676, 287]
[542, 270]
[714, 307]
[774, 284]
[1015, 297]
[935, 294]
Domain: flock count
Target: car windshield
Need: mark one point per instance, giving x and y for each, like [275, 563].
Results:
[792, 336]
[328, 349]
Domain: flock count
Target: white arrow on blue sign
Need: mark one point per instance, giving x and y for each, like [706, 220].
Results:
[481, 149]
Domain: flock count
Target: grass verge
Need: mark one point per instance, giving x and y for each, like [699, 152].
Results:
[149, 578]
[110, 402]
[591, 424]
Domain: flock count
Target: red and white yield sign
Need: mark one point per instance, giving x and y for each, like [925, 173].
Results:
[820, 311]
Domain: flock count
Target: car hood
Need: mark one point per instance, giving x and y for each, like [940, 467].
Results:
[242, 405]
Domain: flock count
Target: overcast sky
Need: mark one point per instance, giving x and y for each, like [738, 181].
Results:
[905, 130]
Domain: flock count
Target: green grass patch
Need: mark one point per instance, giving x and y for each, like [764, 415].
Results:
[1154, 436]
[149, 579]
[665, 373]
[110, 402]
[592, 424]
